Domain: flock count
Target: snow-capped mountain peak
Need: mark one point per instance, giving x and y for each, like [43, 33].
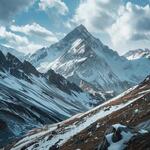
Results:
[85, 60]
[137, 54]
[79, 32]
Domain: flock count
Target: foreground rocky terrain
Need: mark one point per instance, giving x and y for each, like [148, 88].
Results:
[121, 122]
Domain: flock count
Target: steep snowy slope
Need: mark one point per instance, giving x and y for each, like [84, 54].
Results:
[83, 59]
[137, 54]
[87, 130]
[29, 99]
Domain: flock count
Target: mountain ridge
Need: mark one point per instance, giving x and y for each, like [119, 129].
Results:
[30, 99]
[124, 118]
[80, 57]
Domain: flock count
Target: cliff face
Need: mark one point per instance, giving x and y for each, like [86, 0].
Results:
[30, 99]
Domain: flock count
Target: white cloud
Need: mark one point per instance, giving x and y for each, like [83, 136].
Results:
[18, 42]
[37, 30]
[11, 37]
[96, 15]
[125, 25]
[132, 26]
[58, 5]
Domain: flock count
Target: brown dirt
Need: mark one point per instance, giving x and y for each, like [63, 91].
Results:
[91, 137]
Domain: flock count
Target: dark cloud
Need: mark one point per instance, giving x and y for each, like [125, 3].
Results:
[8, 8]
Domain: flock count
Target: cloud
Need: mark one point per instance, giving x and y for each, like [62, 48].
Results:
[57, 5]
[96, 15]
[122, 24]
[11, 37]
[56, 10]
[18, 42]
[28, 38]
[133, 24]
[37, 30]
[9, 8]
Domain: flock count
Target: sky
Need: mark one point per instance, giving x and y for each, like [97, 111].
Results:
[28, 25]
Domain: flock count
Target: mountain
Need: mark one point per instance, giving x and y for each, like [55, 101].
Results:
[120, 123]
[85, 60]
[16, 53]
[137, 54]
[30, 99]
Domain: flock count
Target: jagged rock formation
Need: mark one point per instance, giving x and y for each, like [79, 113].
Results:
[30, 99]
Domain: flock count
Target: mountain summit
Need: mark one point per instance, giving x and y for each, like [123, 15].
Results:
[79, 31]
[85, 60]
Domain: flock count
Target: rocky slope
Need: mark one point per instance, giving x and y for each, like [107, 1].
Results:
[85, 60]
[99, 128]
[30, 99]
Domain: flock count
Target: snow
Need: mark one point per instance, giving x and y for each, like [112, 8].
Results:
[74, 129]
[116, 126]
[126, 136]
[144, 125]
[137, 54]
[146, 91]
[58, 101]
[40, 101]
[36, 136]
[75, 47]
[120, 145]
[80, 56]
[113, 99]
[83, 56]
[98, 125]
[142, 131]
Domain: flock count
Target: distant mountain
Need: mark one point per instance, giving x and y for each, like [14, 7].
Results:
[137, 54]
[120, 123]
[85, 60]
[16, 53]
[30, 99]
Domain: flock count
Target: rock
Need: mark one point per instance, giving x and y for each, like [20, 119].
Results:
[61, 82]
[116, 135]
[29, 69]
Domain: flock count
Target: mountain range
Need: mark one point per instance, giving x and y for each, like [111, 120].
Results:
[85, 60]
[30, 99]
[39, 92]
[122, 123]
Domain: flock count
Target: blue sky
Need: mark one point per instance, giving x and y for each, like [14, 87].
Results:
[32, 24]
